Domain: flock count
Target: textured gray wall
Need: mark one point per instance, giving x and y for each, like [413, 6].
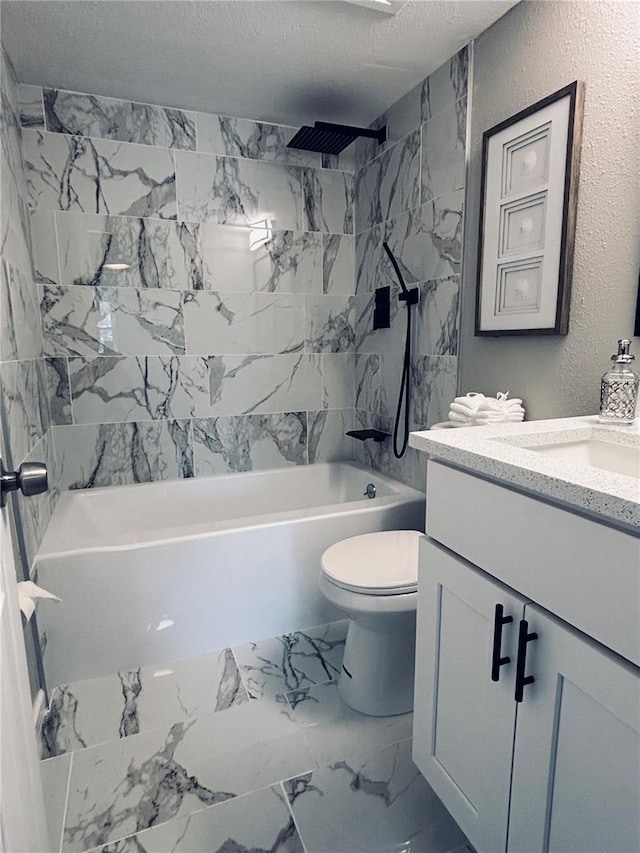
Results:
[535, 49]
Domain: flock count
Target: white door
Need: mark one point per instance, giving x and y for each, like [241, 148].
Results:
[576, 774]
[463, 719]
[22, 818]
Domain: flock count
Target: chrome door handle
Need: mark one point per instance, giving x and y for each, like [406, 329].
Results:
[31, 478]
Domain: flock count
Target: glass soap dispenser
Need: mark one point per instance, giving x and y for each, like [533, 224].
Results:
[619, 388]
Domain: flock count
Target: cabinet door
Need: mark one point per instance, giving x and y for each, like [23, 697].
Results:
[464, 721]
[576, 773]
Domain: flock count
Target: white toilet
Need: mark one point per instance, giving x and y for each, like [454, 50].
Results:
[374, 579]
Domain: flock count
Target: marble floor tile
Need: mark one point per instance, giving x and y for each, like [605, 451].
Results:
[292, 661]
[333, 729]
[260, 822]
[98, 710]
[121, 788]
[374, 804]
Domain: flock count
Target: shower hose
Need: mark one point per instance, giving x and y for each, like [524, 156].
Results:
[410, 297]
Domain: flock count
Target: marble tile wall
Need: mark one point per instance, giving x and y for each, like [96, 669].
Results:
[410, 193]
[23, 375]
[206, 293]
[196, 285]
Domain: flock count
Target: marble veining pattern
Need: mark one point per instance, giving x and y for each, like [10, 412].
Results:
[392, 801]
[126, 703]
[44, 247]
[264, 384]
[432, 387]
[257, 328]
[338, 264]
[140, 782]
[337, 376]
[293, 661]
[84, 321]
[25, 410]
[333, 729]
[245, 259]
[118, 389]
[328, 200]
[219, 323]
[118, 454]
[260, 822]
[238, 192]
[253, 140]
[368, 381]
[327, 430]
[446, 85]
[225, 445]
[388, 185]
[330, 323]
[437, 321]
[185, 761]
[158, 254]
[125, 121]
[58, 390]
[443, 152]
[30, 105]
[380, 456]
[14, 211]
[86, 175]
[19, 336]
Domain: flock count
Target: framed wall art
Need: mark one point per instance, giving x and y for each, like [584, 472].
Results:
[530, 168]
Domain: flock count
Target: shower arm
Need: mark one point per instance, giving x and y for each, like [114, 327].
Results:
[380, 134]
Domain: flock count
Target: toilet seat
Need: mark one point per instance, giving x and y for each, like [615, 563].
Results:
[384, 563]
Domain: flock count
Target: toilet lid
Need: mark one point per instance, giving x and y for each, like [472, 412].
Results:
[376, 563]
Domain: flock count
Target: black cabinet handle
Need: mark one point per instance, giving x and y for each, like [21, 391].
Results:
[496, 661]
[524, 637]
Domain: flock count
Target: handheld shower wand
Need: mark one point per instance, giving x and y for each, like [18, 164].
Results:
[410, 298]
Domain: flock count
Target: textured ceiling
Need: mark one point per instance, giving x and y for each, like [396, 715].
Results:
[285, 61]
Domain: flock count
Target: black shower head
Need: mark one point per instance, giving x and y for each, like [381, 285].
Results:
[327, 138]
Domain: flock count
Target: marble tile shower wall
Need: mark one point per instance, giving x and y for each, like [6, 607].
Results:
[410, 192]
[25, 410]
[227, 342]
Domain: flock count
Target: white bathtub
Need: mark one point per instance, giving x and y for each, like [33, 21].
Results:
[155, 572]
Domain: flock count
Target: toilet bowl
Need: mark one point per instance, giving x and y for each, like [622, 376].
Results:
[374, 579]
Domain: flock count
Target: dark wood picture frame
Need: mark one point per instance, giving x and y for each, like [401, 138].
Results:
[488, 273]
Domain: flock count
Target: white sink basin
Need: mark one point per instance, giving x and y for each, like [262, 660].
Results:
[617, 458]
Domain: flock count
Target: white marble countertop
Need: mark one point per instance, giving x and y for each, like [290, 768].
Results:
[505, 453]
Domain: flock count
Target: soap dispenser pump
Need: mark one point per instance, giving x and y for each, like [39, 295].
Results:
[619, 388]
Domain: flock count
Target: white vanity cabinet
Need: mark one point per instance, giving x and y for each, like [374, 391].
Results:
[558, 770]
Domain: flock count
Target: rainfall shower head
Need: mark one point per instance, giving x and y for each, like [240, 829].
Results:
[327, 138]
